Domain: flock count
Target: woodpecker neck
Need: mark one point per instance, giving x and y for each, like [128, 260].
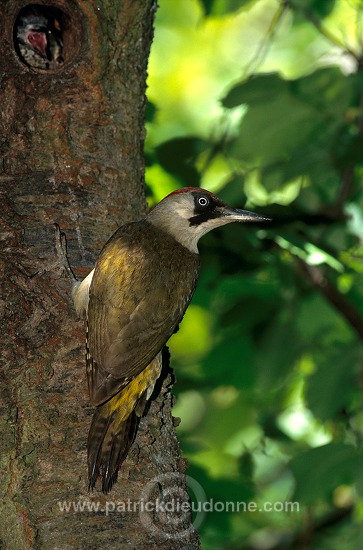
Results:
[176, 225]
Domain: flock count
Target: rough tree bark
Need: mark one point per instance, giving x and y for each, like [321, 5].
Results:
[71, 145]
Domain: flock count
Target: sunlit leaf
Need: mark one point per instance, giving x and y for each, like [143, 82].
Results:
[310, 253]
[355, 220]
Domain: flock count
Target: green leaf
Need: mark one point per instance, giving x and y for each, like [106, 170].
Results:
[330, 389]
[320, 325]
[321, 8]
[291, 128]
[257, 89]
[355, 220]
[319, 471]
[271, 131]
[271, 365]
[178, 155]
[347, 534]
[233, 193]
[220, 7]
[150, 111]
[308, 252]
[328, 90]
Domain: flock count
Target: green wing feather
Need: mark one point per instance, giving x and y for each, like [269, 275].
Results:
[141, 287]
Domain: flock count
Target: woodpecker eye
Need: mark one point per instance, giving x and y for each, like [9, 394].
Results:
[203, 201]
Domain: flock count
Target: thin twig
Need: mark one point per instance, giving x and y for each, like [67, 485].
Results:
[315, 21]
[263, 46]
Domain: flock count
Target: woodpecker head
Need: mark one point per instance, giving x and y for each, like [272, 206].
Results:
[39, 40]
[191, 212]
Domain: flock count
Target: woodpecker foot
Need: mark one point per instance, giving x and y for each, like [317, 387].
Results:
[61, 249]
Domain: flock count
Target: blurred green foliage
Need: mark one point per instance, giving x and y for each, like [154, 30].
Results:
[261, 102]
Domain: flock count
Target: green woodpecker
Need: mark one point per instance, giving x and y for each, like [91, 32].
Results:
[133, 301]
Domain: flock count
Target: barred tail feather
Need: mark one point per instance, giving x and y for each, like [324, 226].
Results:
[114, 426]
[109, 442]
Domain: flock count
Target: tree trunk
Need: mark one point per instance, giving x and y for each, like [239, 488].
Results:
[71, 140]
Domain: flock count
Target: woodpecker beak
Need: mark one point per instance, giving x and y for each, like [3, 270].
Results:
[234, 214]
